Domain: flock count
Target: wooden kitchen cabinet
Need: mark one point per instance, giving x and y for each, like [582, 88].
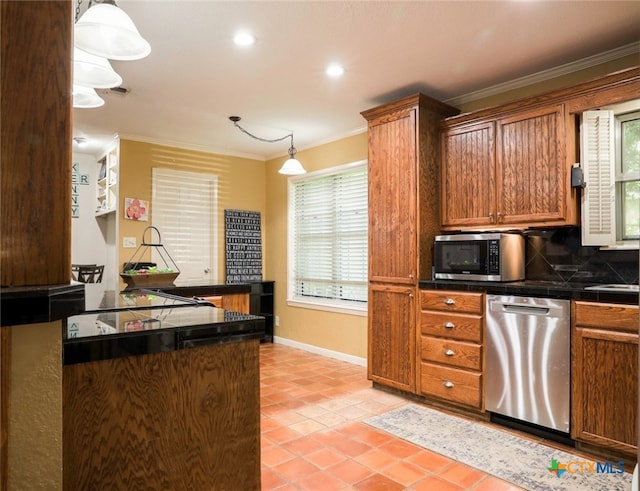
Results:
[605, 376]
[393, 197]
[404, 202]
[506, 171]
[185, 419]
[391, 349]
[450, 347]
[469, 176]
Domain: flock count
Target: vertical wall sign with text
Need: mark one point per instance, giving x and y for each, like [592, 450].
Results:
[243, 246]
[77, 179]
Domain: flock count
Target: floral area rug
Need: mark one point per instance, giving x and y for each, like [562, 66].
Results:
[522, 462]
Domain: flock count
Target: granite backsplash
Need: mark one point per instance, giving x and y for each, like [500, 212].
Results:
[557, 255]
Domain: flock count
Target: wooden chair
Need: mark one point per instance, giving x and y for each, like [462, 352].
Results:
[87, 273]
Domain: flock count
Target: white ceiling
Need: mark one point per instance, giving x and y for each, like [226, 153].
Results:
[195, 77]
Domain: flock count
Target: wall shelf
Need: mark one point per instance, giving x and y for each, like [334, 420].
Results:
[107, 189]
[261, 303]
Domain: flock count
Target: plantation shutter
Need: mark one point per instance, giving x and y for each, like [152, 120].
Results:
[330, 236]
[184, 209]
[598, 163]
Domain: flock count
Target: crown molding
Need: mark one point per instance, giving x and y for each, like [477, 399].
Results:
[575, 66]
[190, 146]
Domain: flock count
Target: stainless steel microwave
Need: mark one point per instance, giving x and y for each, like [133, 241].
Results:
[482, 257]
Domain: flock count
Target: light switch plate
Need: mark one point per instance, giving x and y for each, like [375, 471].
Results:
[128, 242]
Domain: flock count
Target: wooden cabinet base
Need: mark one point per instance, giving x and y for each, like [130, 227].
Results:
[187, 419]
[604, 374]
[452, 384]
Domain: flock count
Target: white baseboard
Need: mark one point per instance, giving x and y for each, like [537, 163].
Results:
[356, 360]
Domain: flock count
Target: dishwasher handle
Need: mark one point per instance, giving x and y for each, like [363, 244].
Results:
[512, 308]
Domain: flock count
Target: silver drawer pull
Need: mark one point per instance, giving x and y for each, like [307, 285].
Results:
[449, 325]
[450, 301]
[449, 352]
[448, 385]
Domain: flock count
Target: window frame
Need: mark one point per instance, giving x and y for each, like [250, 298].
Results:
[622, 177]
[330, 305]
[609, 166]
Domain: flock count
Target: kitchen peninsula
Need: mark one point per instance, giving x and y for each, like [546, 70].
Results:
[161, 392]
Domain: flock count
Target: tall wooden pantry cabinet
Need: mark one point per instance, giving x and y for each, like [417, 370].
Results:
[404, 207]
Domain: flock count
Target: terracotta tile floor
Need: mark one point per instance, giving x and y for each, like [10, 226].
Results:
[314, 437]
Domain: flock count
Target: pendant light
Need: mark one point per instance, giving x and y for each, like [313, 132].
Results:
[106, 30]
[292, 166]
[93, 71]
[86, 97]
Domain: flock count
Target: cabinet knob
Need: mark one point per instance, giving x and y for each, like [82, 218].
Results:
[449, 325]
[449, 352]
[491, 215]
[448, 384]
[410, 295]
[206, 270]
[500, 216]
[450, 301]
[410, 276]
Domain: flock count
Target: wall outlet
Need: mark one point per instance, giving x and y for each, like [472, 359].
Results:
[128, 242]
[276, 320]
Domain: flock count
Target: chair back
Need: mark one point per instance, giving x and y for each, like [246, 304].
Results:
[87, 273]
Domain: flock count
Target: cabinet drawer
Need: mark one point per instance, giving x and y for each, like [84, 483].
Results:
[607, 316]
[456, 326]
[455, 353]
[452, 301]
[452, 384]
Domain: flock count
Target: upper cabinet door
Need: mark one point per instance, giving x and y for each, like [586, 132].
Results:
[517, 179]
[393, 198]
[530, 162]
[468, 176]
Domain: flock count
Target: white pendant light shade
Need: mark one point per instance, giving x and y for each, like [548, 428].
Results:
[93, 71]
[86, 97]
[292, 167]
[106, 30]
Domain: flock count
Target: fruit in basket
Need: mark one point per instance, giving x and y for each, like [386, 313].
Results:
[151, 270]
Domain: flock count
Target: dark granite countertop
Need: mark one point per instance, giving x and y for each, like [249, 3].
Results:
[40, 304]
[534, 288]
[144, 322]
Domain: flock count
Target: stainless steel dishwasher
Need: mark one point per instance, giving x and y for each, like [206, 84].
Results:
[527, 360]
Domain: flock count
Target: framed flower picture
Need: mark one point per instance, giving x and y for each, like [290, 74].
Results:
[136, 209]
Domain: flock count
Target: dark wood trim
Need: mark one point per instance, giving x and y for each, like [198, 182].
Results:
[35, 143]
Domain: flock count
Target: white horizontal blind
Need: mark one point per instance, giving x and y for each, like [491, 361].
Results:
[598, 162]
[330, 223]
[184, 209]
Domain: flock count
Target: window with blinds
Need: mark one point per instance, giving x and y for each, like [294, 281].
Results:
[328, 223]
[184, 209]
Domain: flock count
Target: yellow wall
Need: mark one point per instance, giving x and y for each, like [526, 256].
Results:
[35, 407]
[332, 331]
[240, 187]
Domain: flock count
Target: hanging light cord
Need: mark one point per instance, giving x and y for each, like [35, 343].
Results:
[292, 149]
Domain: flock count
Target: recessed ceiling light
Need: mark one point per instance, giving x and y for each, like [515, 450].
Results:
[244, 38]
[335, 70]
